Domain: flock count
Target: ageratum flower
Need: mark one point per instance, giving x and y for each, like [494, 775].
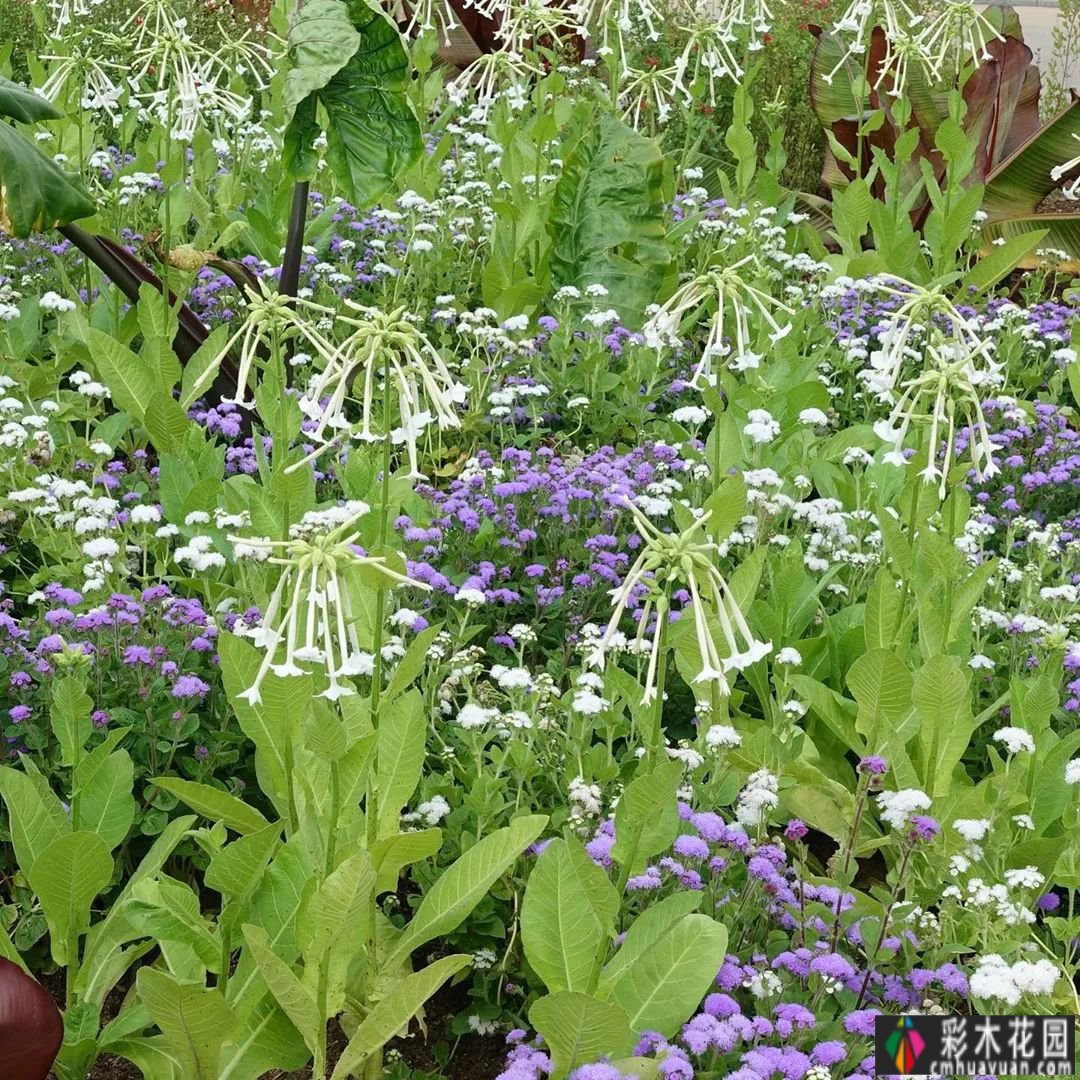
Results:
[310, 612]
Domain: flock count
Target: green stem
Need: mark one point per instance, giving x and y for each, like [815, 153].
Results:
[656, 738]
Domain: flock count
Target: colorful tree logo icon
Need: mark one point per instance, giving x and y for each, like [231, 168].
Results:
[905, 1044]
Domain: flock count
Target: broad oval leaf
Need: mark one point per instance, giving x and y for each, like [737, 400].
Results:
[607, 218]
[35, 193]
[214, 804]
[461, 887]
[567, 916]
[322, 39]
[647, 817]
[372, 134]
[578, 1029]
[24, 104]
[664, 986]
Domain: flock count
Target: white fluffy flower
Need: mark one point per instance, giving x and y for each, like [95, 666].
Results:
[722, 735]
[1015, 739]
[1072, 771]
[972, 829]
[896, 807]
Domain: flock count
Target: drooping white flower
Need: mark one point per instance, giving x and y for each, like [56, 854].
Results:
[310, 613]
[686, 558]
[738, 305]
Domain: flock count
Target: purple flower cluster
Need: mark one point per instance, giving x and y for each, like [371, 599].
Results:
[533, 530]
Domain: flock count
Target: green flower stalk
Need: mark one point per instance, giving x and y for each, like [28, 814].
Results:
[310, 612]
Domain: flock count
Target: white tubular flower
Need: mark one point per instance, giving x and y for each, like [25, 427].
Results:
[957, 369]
[856, 25]
[96, 89]
[386, 346]
[310, 612]
[1070, 190]
[957, 35]
[666, 561]
[271, 320]
[735, 299]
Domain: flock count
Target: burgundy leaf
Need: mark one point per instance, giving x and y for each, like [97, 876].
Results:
[31, 1028]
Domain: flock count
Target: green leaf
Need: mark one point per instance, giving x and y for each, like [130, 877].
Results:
[645, 931]
[578, 1029]
[105, 802]
[36, 816]
[35, 193]
[391, 853]
[156, 319]
[199, 370]
[1062, 234]
[372, 134]
[296, 1000]
[942, 698]
[400, 755]
[1022, 180]
[71, 871]
[664, 986]
[270, 724]
[214, 804]
[103, 963]
[412, 663]
[392, 1014]
[166, 423]
[1002, 260]
[567, 916]
[321, 41]
[168, 911]
[462, 885]
[69, 714]
[647, 817]
[882, 687]
[24, 104]
[195, 1021]
[727, 505]
[607, 217]
[129, 379]
[238, 868]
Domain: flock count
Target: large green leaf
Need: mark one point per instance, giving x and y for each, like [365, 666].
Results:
[195, 1021]
[400, 751]
[25, 105]
[942, 698]
[607, 218]
[69, 715]
[567, 915]
[372, 134]
[1002, 259]
[35, 193]
[36, 816]
[646, 930]
[321, 41]
[213, 803]
[130, 380]
[578, 1029]
[1022, 180]
[393, 1013]
[71, 871]
[1062, 233]
[882, 687]
[462, 886]
[296, 999]
[105, 802]
[664, 986]
[647, 817]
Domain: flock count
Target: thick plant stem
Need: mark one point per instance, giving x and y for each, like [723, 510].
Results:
[656, 736]
[294, 241]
